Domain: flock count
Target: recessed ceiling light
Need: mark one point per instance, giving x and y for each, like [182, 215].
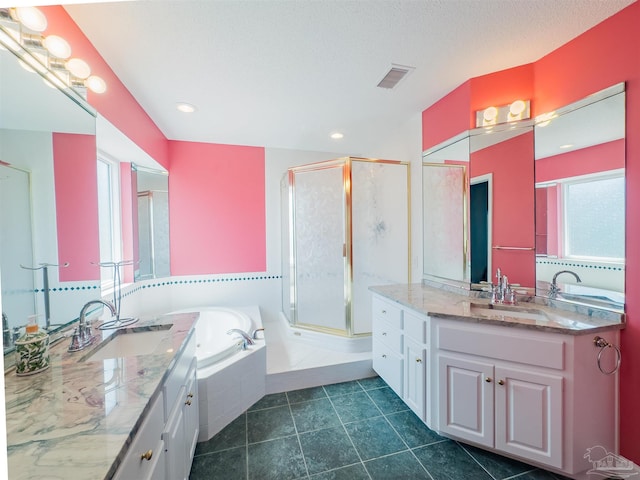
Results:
[337, 135]
[185, 107]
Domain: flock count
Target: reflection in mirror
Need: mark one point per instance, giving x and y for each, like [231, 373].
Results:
[152, 198]
[40, 128]
[580, 200]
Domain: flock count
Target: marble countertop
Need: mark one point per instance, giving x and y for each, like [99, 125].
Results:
[441, 303]
[77, 418]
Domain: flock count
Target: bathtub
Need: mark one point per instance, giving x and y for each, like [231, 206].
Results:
[230, 379]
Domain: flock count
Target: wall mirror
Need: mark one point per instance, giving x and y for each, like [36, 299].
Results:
[151, 222]
[580, 200]
[31, 115]
[478, 195]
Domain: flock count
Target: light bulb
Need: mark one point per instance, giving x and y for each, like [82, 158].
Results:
[78, 68]
[337, 135]
[490, 114]
[517, 107]
[31, 17]
[57, 46]
[96, 84]
[185, 107]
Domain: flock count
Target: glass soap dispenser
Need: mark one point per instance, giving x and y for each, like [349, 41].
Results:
[32, 349]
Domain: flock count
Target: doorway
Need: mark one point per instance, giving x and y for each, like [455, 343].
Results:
[480, 209]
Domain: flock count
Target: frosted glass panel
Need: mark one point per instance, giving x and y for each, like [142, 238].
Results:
[380, 229]
[444, 237]
[319, 242]
[594, 218]
[145, 267]
[286, 250]
[161, 233]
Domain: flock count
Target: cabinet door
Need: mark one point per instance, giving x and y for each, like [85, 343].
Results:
[465, 396]
[529, 415]
[174, 441]
[191, 417]
[388, 365]
[415, 355]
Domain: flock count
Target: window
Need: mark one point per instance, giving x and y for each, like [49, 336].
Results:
[108, 218]
[594, 215]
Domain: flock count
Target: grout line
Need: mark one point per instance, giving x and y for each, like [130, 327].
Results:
[513, 477]
[246, 441]
[295, 427]
[475, 460]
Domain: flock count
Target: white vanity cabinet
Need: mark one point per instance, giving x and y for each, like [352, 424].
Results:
[537, 396]
[417, 380]
[387, 343]
[164, 445]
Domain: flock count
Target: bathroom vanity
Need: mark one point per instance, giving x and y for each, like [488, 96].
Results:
[125, 407]
[523, 381]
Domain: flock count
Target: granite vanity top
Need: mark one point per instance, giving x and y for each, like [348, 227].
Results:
[76, 419]
[442, 303]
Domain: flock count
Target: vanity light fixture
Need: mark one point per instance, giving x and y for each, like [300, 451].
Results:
[336, 135]
[490, 116]
[30, 17]
[95, 84]
[185, 107]
[544, 119]
[57, 46]
[78, 68]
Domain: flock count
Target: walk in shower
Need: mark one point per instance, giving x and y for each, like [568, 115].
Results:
[345, 227]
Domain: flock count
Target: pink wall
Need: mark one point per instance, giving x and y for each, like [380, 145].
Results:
[511, 164]
[598, 158]
[74, 159]
[603, 56]
[216, 209]
[117, 105]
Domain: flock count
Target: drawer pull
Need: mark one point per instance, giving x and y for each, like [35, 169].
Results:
[384, 356]
[488, 380]
[190, 395]
[188, 402]
[418, 360]
[384, 334]
[384, 312]
[147, 455]
[500, 382]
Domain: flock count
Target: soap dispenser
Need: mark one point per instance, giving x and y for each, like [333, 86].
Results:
[32, 349]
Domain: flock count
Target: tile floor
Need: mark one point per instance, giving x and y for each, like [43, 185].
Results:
[353, 430]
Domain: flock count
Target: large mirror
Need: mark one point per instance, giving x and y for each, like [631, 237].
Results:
[580, 200]
[478, 203]
[533, 201]
[43, 133]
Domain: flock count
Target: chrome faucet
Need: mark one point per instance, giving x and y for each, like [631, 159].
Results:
[502, 292]
[246, 338]
[555, 289]
[82, 335]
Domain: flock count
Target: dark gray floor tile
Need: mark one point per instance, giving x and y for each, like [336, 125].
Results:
[399, 466]
[306, 394]
[269, 424]
[540, 475]
[279, 459]
[233, 435]
[387, 400]
[228, 464]
[374, 437]
[314, 415]
[412, 430]
[352, 472]
[269, 401]
[355, 406]
[327, 449]
[372, 382]
[342, 388]
[448, 461]
[497, 465]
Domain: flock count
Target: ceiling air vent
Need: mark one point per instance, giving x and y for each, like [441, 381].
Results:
[393, 76]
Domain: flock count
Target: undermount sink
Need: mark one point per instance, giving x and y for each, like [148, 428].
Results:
[131, 342]
[492, 310]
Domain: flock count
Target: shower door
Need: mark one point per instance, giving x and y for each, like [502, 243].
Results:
[319, 247]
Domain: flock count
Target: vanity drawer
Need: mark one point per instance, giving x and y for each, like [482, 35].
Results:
[389, 365]
[388, 311]
[415, 326]
[388, 335]
[521, 347]
[178, 373]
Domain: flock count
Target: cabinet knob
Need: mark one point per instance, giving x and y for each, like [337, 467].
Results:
[188, 402]
[500, 382]
[190, 395]
[384, 334]
[147, 455]
[488, 379]
[384, 312]
[418, 360]
[384, 356]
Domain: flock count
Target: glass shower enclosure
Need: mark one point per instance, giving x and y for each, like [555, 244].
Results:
[345, 227]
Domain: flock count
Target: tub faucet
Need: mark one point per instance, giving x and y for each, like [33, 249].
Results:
[254, 334]
[246, 338]
[555, 289]
[82, 335]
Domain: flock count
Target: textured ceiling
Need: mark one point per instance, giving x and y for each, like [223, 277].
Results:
[287, 73]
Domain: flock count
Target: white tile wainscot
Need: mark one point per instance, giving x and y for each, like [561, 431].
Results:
[526, 389]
